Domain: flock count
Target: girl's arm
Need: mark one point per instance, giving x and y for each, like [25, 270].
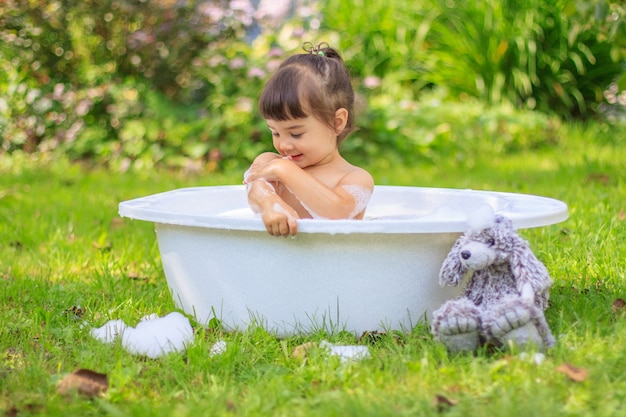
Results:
[279, 218]
[347, 200]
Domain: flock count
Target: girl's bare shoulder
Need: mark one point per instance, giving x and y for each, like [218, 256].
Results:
[265, 157]
[357, 176]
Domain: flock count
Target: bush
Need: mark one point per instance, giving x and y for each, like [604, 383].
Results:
[116, 80]
[432, 128]
[553, 56]
[135, 84]
[540, 54]
[384, 43]
[89, 42]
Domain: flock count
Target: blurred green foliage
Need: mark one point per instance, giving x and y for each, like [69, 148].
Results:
[557, 56]
[127, 82]
[552, 55]
[135, 84]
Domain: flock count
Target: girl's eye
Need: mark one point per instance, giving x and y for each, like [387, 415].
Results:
[296, 135]
[275, 134]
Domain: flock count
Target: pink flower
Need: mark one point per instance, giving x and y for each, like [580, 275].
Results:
[372, 82]
[256, 72]
[237, 63]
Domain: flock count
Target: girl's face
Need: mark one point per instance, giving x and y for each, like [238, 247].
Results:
[306, 141]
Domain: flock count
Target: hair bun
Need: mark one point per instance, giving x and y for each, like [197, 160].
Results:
[321, 49]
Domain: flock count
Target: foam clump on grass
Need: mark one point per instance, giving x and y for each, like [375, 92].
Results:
[346, 353]
[110, 331]
[153, 337]
[218, 348]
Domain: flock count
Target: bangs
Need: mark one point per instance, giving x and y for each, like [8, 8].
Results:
[281, 97]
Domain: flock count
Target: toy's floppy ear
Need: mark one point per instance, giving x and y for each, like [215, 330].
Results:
[527, 269]
[452, 271]
[503, 230]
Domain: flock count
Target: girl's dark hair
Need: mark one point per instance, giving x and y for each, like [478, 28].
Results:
[315, 83]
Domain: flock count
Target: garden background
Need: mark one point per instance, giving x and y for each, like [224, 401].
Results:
[139, 84]
[106, 100]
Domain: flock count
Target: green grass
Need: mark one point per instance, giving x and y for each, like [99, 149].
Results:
[62, 246]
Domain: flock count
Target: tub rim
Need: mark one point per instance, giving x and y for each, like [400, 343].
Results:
[525, 210]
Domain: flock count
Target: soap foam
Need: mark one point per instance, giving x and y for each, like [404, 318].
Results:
[361, 197]
[160, 336]
[279, 209]
[346, 353]
[110, 331]
[154, 336]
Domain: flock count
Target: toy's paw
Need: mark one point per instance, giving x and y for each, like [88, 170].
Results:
[458, 326]
[523, 336]
[514, 325]
[455, 325]
[463, 342]
[459, 334]
[509, 319]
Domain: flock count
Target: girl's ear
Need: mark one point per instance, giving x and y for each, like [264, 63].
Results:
[341, 120]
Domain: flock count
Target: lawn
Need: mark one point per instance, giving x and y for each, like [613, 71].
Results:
[68, 263]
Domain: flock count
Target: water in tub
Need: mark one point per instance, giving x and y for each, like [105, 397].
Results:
[379, 212]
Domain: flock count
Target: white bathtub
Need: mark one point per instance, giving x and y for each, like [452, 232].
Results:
[380, 273]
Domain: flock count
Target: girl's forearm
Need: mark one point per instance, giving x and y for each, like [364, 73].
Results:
[317, 198]
[261, 195]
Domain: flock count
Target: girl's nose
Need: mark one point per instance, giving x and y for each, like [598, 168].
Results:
[284, 146]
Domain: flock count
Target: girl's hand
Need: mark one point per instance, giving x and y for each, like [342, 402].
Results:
[268, 171]
[280, 220]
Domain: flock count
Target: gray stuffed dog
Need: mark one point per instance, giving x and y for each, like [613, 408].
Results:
[506, 296]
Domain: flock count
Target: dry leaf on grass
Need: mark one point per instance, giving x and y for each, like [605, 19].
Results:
[301, 351]
[85, 382]
[442, 403]
[598, 178]
[116, 223]
[137, 277]
[102, 246]
[75, 312]
[13, 359]
[619, 306]
[574, 373]
[371, 338]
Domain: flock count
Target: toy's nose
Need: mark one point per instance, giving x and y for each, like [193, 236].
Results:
[466, 254]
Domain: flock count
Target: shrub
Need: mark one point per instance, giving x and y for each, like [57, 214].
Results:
[135, 84]
[117, 80]
[433, 127]
[92, 41]
[553, 56]
[541, 54]
[384, 43]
